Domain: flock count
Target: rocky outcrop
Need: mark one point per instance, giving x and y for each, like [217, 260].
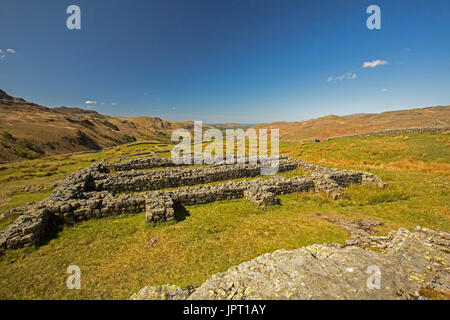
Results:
[401, 265]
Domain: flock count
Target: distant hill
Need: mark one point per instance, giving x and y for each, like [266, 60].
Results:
[229, 125]
[28, 130]
[359, 123]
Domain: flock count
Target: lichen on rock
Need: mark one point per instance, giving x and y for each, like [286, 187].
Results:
[411, 265]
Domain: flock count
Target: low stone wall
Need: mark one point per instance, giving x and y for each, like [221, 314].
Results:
[259, 191]
[386, 132]
[158, 202]
[88, 194]
[159, 162]
[176, 177]
[139, 164]
[25, 230]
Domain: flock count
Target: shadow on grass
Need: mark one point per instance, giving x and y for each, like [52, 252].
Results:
[181, 213]
[54, 226]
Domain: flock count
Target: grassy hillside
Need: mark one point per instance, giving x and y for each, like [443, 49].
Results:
[31, 131]
[333, 126]
[119, 255]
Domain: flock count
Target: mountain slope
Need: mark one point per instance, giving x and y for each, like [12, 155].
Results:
[28, 130]
[332, 126]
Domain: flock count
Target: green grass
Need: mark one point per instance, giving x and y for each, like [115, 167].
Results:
[116, 261]
[14, 176]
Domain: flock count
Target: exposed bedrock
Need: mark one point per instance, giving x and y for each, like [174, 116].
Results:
[402, 265]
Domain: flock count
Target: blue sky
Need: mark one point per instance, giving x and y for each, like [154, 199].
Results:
[244, 61]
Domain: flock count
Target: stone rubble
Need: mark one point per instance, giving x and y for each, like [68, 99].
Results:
[357, 229]
[165, 292]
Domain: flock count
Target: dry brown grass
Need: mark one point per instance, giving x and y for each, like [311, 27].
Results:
[332, 126]
[419, 165]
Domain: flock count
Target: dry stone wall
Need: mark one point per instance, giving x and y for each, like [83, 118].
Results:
[177, 177]
[94, 193]
[260, 192]
[159, 162]
[396, 131]
[139, 164]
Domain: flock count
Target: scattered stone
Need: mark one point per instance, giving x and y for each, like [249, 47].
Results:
[152, 242]
[165, 292]
[357, 229]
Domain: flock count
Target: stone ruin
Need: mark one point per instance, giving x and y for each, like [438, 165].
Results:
[148, 184]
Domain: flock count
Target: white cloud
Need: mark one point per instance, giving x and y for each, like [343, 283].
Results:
[384, 90]
[374, 63]
[346, 76]
[91, 102]
[114, 103]
[10, 50]
[2, 56]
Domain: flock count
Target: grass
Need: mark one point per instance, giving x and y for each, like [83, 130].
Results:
[14, 176]
[116, 258]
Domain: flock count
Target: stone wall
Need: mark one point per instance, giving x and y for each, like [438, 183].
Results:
[89, 193]
[139, 164]
[159, 162]
[417, 130]
[176, 177]
[259, 191]
[225, 191]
